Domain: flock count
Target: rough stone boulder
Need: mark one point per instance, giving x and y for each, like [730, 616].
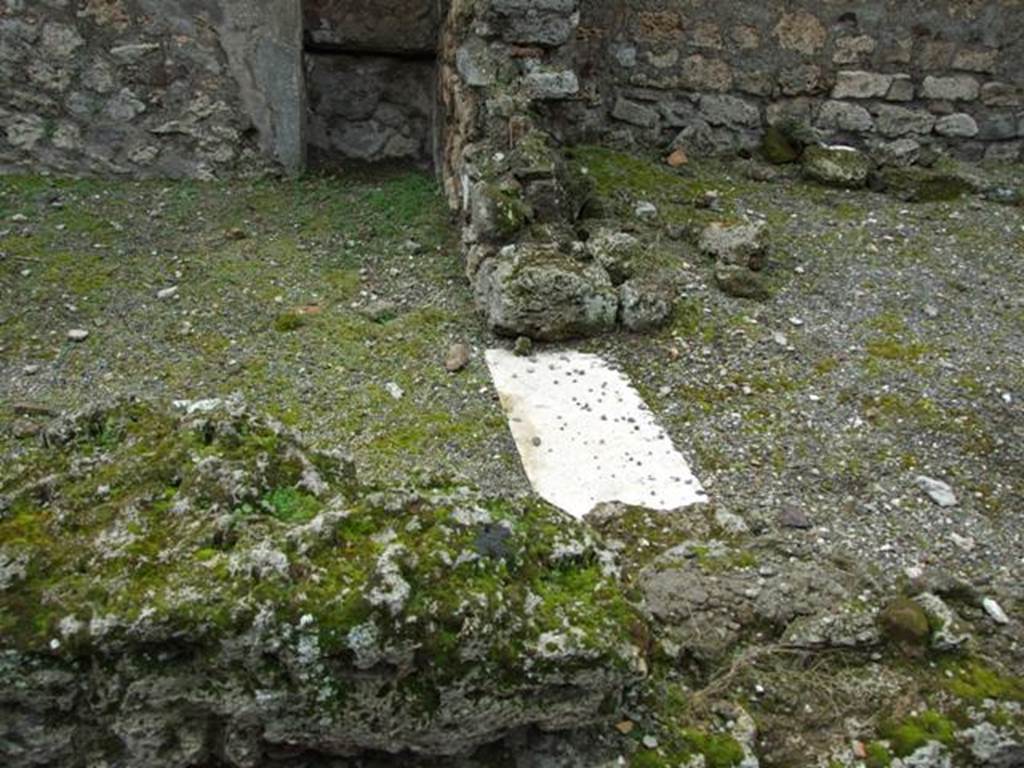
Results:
[922, 185]
[536, 290]
[203, 589]
[836, 166]
[618, 252]
[740, 252]
[645, 303]
[707, 597]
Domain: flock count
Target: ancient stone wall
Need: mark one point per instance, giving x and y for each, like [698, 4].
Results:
[148, 88]
[396, 26]
[946, 73]
[370, 109]
[187, 88]
[371, 81]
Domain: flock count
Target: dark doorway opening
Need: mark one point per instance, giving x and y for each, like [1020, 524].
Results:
[371, 81]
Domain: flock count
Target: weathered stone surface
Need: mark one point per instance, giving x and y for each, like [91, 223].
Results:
[740, 253]
[923, 184]
[836, 166]
[853, 48]
[899, 153]
[893, 121]
[905, 623]
[536, 22]
[957, 88]
[801, 79]
[1004, 152]
[861, 85]
[745, 245]
[618, 252]
[636, 114]
[370, 109]
[405, 25]
[842, 116]
[475, 63]
[738, 281]
[801, 32]
[645, 303]
[540, 292]
[707, 598]
[706, 74]
[902, 89]
[241, 599]
[958, 125]
[1001, 95]
[976, 60]
[546, 86]
[779, 147]
[998, 127]
[729, 111]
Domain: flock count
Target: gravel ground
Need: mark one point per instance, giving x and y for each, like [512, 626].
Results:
[890, 349]
[318, 300]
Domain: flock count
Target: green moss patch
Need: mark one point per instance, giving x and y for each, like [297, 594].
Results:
[974, 681]
[913, 733]
[135, 524]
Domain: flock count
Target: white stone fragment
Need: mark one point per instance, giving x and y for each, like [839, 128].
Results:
[937, 491]
[995, 611]
[585, 435]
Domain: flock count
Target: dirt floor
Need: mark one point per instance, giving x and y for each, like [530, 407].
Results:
[891, 347]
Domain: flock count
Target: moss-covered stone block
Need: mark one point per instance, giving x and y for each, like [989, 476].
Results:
[923, 185]
[836, 166]
[778, 148]
[905, 623]
[203, 585]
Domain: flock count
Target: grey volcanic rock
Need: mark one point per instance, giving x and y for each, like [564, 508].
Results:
[538, 291]
[836, 166]
[235, 598]
[740, 252]
[646, 303]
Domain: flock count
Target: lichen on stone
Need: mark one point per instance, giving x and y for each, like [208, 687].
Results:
[371, 617]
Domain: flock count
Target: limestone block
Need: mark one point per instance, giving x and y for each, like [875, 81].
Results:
[857, 84]
[956, 125]
[955, 88]
[976, 60]
[635, 114]
[730, 111]
[850, 50]
[843, 116]
[893, 121]
[801, 32]
[547, 86]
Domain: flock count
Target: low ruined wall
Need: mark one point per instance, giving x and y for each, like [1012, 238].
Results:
[949, 73]
[150, 87]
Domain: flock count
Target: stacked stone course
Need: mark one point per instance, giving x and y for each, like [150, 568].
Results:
[949, 74]
[143, 88]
